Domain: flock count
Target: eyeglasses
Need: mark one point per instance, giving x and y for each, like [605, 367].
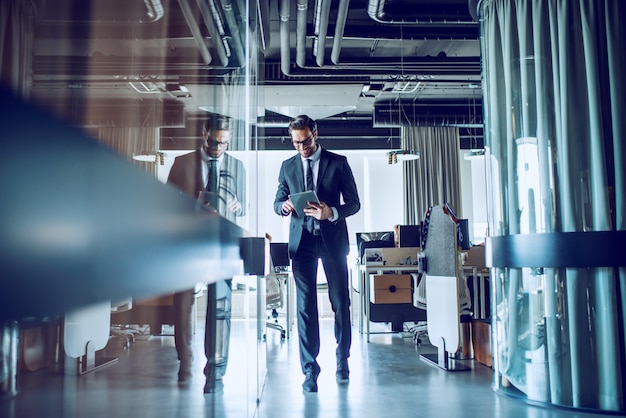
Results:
[304, 143]
[213, 143]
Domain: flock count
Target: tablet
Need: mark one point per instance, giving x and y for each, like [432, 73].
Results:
[300, 200]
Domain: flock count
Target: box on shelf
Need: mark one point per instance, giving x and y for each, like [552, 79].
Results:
[390, 288]
[475, 256]
[374, 257]
[400, 256]
[391, 256]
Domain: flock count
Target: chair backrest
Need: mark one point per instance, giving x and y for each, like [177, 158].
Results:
[279, 253]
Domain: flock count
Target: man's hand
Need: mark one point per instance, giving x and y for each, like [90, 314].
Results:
[233, 205]
[287, 207]
[319, 211]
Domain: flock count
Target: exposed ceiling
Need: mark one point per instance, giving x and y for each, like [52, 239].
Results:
[361, 67]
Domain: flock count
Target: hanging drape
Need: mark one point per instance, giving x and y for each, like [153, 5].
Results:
[16, 44]
[130, 141]
[554, 112]
[433, 179]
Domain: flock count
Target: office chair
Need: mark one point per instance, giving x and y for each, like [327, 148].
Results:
[274, 301]
[275, 293]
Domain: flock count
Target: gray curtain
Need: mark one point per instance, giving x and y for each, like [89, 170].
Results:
[554, 107]
[433, 179]
[16, 44]
[128, 141]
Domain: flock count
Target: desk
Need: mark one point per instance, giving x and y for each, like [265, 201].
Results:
[364, 289]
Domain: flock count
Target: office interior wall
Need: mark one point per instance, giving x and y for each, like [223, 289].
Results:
[379, 184]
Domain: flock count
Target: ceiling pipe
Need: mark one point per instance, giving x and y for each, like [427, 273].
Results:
[214, 32]
[473, 6]
[376, 12]
[301, 12]
[195, 31]
[285, 47]
[219, 24]
[373, 67]
[263, 11]
[231, 22]
[321, 30]
[155, 10]
[342, 16]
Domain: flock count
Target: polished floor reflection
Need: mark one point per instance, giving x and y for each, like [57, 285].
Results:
[388, 378]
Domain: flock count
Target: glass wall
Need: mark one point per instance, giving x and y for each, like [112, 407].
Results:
[141, 78]
[554, 129]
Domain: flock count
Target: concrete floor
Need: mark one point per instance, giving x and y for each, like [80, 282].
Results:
[388, 379]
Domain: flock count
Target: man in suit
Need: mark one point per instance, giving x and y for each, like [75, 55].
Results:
[192, 172]
[209, 169]
[320, 233]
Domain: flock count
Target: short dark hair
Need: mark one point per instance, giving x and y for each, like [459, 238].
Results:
[216, 123]
[302, 122]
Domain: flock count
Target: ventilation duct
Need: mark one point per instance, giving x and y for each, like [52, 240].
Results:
[115, 112]
[395, 114]
[427, 13]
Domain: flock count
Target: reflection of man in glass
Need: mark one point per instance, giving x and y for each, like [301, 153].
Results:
[209, 169]
[212, 170]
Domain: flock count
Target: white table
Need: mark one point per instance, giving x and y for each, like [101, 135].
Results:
[364, 289]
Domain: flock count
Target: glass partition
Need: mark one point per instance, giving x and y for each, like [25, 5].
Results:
[142, 78]
[554, 123]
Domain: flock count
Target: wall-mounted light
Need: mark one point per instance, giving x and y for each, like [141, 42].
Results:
[150, 157]
[402, 155]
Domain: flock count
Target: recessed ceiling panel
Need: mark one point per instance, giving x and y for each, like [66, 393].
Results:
[317, 101]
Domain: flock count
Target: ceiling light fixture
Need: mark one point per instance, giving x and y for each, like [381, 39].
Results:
[396, 155]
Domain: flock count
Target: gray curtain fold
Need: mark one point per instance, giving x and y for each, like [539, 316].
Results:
[128, 141]
[16, 44]
[554, 104]
[433, 179]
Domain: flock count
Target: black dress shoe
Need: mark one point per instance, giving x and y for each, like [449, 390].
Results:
[310, 382]
[213, 386]
[184, 372]
[343, 372]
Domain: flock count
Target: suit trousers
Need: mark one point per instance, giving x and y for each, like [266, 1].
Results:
[305, 262]
[217, 327]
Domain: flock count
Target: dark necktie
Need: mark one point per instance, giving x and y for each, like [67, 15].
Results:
[310, 226]
[309, 175]
[211, 185]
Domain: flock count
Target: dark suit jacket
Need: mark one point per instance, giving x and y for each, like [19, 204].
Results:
[186, 174]
[335, 180]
